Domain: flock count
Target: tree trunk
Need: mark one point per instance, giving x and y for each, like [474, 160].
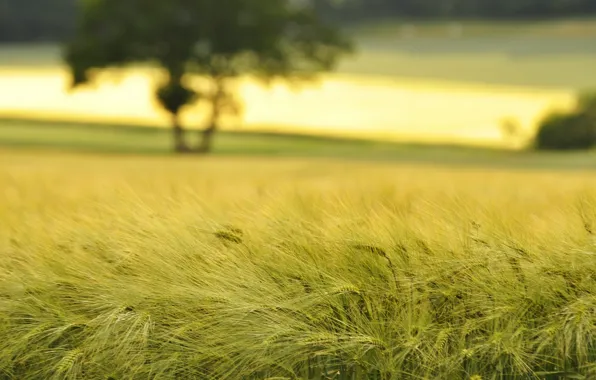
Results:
[178, 134]
[207, 134]
[207, 138]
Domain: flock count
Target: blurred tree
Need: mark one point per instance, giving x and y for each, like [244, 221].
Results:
[570, 130]
[512, 132]
[218, 40]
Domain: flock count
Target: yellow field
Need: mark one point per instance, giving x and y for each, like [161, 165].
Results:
[178, 268]
[347, 105]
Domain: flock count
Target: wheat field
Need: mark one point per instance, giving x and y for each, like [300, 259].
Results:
[246, 268]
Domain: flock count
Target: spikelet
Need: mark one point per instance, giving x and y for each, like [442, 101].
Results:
[345, 289]
[442, 339]
[372, 341]
[68, 361]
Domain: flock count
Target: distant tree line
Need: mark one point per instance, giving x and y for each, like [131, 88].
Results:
[572, 129]
[37, 20]
[367, 10]
[54, 20]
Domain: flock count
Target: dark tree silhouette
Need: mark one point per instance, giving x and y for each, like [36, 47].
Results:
[218, 40]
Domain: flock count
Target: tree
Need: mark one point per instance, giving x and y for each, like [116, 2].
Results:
[217, 40]
[575, 129]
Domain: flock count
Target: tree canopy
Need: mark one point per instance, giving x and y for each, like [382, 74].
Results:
[217, 40]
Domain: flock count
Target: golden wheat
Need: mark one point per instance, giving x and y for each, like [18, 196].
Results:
[224, 268]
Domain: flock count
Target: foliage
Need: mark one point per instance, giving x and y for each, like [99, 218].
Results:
[572, 130]
[587, 104]
[218, 40]
[367, 272]
[172, 97]
[561, 131]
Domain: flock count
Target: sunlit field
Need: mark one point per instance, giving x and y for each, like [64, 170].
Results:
[421, 84]
[246, 268]
[339, 105]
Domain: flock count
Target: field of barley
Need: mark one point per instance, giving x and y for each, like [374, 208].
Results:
[288, 256]
[139, 267]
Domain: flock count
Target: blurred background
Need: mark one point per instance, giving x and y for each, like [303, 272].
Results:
[472, 72]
